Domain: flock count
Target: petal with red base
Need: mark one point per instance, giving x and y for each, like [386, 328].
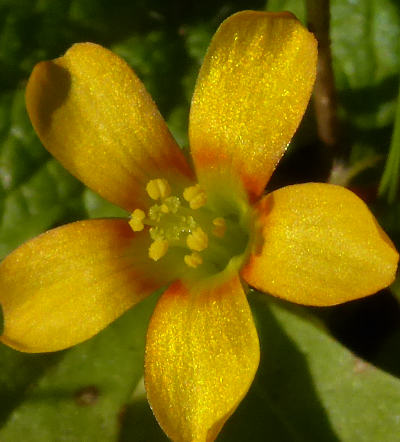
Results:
[202, 353]
[320, 245]
[252, 91]
[67, 284]
[94, 115]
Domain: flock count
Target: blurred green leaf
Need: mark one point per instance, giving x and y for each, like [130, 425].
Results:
[98, 207]
[139, 423]
[365, 37]
[78, 394]
[389, 185]
[296, 7]
[151, 55]
[395, 289]
[310, 388]
[366, 60]
[366, 57]
[36, 192]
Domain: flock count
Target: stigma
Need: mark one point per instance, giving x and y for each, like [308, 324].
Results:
[178, 221]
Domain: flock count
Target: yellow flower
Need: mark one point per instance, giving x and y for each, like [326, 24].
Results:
[200, 231]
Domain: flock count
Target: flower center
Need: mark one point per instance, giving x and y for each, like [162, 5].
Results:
[185, 229]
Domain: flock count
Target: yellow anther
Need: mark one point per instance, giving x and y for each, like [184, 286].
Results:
[195, 196]
[158, 249]
[219, 227]
[136, 221]
[198, 240]
[164, 208]
[158, 189]
[193, 260]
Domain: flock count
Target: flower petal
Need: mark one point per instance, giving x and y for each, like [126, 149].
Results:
[66, 285]
[321, 246]
[201, 356]
[250, 96]
[94, 115]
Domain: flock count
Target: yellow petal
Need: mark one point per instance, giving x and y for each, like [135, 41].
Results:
[320, 246]
[202, 353]
[250, 96]
[94, 115]
[66, 285]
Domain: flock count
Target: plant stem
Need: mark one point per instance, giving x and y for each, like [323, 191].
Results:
[318, 17]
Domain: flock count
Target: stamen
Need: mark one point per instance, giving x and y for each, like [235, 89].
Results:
[219, 227]
[158, 249]
[158, 189]
[164, 208]
[195, 196]
[198, 240]
[136, 221]
[193, 260]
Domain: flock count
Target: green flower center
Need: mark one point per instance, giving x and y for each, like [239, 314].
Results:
[189, 233]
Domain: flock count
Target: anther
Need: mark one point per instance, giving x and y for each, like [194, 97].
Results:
[193, 260]
[164, 208]
[219, 227]
[195, 196]
[136, 221]
[158, 188]
[197, 240]
[158, 249]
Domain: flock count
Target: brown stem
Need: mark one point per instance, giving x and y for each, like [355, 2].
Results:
[324, 98]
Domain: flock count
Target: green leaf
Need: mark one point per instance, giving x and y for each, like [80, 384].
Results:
[78, 394]
[395, 288]
[365, 45]
[366, 57]
[150, 56]
[138, 422]
[19, 372]
[310, 388]
[389, 185]
[296, 7]
[36, 192]
[98, 207]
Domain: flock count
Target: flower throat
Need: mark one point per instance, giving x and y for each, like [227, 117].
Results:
[186, 228]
